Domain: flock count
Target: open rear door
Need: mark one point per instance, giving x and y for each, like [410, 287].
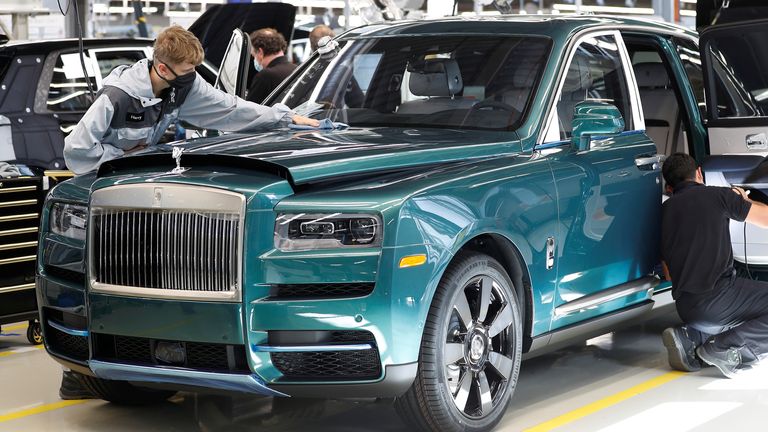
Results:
[734, 53]
[232, 77]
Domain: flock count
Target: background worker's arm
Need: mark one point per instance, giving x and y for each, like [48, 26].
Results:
[758, 212]
[83, 147]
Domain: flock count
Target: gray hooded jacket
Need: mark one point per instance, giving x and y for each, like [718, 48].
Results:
[126, 114]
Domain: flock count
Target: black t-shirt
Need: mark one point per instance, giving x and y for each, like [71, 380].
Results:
[695, 236]
[269, 78]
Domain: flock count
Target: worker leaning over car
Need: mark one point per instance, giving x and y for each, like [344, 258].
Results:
[137, 104]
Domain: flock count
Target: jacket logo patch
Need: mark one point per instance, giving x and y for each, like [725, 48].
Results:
[134, 117]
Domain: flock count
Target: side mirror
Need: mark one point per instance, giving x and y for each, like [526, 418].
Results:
[594, 118]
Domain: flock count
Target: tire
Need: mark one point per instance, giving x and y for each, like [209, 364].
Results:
[34, 333]
[469, 359]
[122, 392]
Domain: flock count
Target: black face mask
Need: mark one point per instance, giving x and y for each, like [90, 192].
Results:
[181, 81]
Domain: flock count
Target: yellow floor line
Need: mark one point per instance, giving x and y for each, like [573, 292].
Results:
[39, 409]
[605, 402]
[10, 353]
[15, 327]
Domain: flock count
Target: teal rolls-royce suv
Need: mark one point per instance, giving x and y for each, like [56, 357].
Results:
[495, 194]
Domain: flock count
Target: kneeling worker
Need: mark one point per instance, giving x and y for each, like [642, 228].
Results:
[726, 318]
[138, 103]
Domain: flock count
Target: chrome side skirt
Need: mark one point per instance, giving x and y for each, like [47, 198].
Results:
[646, 284]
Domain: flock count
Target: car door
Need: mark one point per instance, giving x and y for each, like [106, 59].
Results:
[232, 76]
[609, 194]
[735, 61]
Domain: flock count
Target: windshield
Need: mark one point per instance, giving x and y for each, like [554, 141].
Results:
[468, 82]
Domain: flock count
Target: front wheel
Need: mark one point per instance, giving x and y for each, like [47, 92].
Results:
[470, 352]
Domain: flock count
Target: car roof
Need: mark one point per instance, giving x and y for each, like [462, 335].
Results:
[46, 46]
[542, 25]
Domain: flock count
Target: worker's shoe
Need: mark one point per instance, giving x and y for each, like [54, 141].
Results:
[728, 361]
[681, 349]
[72, 389]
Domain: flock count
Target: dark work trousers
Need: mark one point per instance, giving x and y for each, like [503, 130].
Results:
[736, 315]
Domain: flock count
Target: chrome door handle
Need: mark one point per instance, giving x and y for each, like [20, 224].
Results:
[655, 161]
[757, 141]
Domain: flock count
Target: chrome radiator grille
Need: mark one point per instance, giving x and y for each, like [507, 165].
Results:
[168, 251]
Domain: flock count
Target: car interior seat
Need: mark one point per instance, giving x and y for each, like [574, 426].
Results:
[660, 106]
[523, 81]
[440, 81]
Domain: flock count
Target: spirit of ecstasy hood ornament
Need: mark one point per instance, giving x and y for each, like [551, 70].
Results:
[177, 151]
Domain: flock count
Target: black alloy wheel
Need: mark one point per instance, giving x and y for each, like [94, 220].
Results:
[470, 352]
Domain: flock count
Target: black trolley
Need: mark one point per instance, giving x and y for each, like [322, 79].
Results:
[21, 202]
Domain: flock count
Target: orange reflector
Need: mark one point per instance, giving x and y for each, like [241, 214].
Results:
[412, 261]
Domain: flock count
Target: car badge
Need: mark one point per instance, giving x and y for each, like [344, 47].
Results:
[177, 151]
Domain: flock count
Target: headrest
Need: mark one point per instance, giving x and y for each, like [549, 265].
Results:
[651, 75]
[578, 77]
[523, 77]
[435, 77]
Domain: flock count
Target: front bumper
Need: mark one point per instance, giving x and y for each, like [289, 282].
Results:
[390, 313]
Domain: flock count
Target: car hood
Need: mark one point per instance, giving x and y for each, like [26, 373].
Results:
[311, 156]
[214, 27]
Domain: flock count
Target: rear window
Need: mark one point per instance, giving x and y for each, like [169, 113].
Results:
[68, 90]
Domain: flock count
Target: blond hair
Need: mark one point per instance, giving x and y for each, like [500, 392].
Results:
[176, 45]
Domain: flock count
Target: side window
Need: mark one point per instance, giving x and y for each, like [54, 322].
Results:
[595, 73]
[68, 91]
[737, 58]
[109, 60]
[691, 59]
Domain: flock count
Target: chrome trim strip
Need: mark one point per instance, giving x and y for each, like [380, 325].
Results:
[223, 381]
[15, 288]
[593, 300]
[18, 217]
[10, 246]
[311, 348]
[67, 330]
[17, 259]
[18, 189]
[18, 203]
[172, 294]
[18, 231]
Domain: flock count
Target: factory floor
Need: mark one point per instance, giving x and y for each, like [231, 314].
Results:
[616, 382]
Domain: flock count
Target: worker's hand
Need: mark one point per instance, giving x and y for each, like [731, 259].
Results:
[744, 194]
[305, 121]
[135, 149]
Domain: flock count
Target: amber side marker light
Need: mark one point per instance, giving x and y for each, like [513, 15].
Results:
[412, 261]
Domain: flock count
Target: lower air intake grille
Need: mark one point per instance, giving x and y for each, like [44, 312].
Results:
[74, 347]
[320, 291]
[214, 357]
[334, 365]
[133, 349]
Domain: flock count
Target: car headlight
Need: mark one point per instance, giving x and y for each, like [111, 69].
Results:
[69, 220]
[326, 231]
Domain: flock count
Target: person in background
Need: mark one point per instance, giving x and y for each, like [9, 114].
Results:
[726, 317]
[268, 48]
[317, 33]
